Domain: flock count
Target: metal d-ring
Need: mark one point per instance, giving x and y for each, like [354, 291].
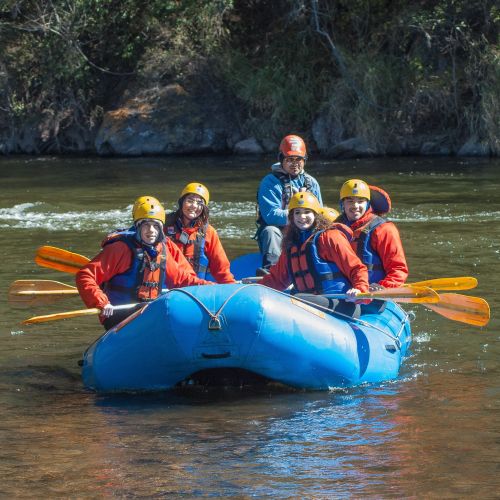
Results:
[214, 323]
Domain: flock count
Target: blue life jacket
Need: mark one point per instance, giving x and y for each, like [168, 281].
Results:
[370, 259]
[200, 261]
[310, 273]
[286, 185]
[144, 279]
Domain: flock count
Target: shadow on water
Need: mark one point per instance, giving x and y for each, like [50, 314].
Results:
[232, 387]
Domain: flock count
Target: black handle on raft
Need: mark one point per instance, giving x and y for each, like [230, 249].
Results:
[216, 356]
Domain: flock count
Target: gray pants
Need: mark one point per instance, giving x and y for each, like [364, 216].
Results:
[269, 239]
[339, 306]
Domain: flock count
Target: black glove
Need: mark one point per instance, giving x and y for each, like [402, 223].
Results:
[375, 287]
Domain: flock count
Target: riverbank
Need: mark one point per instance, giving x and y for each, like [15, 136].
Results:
[171, 78]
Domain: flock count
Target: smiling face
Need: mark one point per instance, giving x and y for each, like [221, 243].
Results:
[354, 207]
[149, 231]
[293, 165]
[192, 207]
[303, 218]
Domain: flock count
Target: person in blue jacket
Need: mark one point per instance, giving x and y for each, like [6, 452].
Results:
[274, 193]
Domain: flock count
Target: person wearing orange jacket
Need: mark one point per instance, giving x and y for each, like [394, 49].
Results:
[134, 265]
[317, 257]
[195, 237]
[376, 240]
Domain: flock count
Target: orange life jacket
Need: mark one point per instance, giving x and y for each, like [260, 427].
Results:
[310, 273]
[145, 277]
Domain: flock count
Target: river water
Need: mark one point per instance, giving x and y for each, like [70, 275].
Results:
[432, 433]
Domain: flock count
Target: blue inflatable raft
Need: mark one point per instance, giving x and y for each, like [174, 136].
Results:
[250, 328]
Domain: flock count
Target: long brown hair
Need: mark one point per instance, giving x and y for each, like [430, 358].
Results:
[291, 233]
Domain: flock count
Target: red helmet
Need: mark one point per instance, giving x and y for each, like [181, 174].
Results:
[293, 145]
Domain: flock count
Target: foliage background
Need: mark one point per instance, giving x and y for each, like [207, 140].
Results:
[374, 69]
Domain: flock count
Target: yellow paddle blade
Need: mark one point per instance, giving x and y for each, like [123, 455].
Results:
[405, 294]
[29, 293]
[458, 283]
[59, 259]
[463, 308]
[58, 316]
[26, 286]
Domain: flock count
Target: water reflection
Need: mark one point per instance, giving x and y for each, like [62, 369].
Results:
[432, 433]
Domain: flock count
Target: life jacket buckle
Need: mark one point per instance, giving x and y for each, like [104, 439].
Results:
[184, 238]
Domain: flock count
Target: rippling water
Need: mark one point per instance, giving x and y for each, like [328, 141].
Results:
[433, 433]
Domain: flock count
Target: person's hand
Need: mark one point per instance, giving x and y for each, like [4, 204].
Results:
[107, 311]
[376, 287]
[351, 294]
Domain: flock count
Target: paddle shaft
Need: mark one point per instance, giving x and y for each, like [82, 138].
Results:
[405, 294]
[73, 314]
[54, 292]
[458, 283]
[47, 292]
[364, 296]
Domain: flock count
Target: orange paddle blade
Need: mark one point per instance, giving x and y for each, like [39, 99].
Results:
[59, 259]
[458, 283]
[464, 308]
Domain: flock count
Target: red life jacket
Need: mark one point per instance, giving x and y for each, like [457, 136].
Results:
[311, 273]
[192, 248]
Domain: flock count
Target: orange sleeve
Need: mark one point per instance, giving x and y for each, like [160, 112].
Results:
[217, 258]
[113, 259]
[179, 271]
[334, 247]
[386, 242]
[279, 277]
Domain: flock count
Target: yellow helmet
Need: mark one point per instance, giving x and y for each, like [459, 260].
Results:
[355, 187]
[148, 207]
[197, 188]
[330, 214]
[304, 200]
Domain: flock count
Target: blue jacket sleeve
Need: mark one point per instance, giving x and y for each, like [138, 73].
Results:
[269, 198]
[317, 191]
